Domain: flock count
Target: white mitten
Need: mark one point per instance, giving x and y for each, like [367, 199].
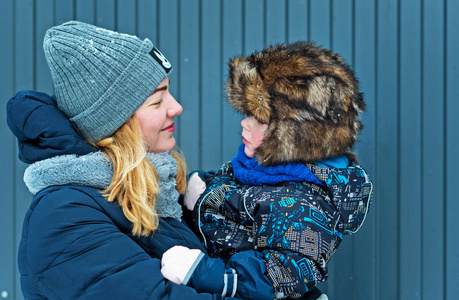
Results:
[179, 262]
[194, 189]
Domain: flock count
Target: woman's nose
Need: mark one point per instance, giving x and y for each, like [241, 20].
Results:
[175, 109]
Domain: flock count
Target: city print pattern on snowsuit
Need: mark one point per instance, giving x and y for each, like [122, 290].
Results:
[297, 226]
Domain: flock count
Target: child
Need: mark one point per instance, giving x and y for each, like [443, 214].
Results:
[293, 189]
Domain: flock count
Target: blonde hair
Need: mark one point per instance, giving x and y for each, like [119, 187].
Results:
[135, 181]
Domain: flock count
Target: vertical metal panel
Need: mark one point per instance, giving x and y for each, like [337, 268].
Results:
[341, 41]
[387, 159]
[232, 45]
[147, 19]
[365, 68]
[24, 79]
[297, 20]
[24, 46]
[85, 11]
[211, 84]
[105, 14]
[319, 14]
[189, 73]
[7, 175]
[126, 16]
[254, 26]
[64, 10]
[433, 181]
[365, 250]
[44, 20]
[452, 145]
[410, 150]
[276, 27]
[341, 269]
[342, 35]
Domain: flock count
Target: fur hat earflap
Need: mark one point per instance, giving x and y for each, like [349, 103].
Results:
[307, 95]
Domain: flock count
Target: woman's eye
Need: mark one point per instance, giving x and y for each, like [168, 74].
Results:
[157, 102]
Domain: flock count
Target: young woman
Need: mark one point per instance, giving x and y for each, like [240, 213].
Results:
[103, 170]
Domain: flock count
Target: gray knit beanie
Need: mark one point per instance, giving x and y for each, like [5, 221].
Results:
[101, 77]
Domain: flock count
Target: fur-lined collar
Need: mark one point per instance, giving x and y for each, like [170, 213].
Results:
[96, 171]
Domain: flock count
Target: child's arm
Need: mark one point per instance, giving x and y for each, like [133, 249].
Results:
[245, 279]
[244, 276]
[194, 189]
[196, 185]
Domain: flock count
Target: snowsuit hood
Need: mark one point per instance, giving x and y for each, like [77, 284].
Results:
[350, 190]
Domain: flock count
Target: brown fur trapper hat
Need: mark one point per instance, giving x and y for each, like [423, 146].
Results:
[307, 95]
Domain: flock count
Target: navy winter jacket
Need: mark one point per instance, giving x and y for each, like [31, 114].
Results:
[75, 244]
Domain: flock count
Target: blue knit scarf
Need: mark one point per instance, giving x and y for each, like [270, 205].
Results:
[248, 171]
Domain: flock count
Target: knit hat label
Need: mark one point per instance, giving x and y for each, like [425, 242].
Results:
[161, 59]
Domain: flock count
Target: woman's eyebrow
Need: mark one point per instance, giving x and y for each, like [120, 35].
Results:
[163, 88]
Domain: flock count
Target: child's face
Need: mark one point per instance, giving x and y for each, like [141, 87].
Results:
[253, 133]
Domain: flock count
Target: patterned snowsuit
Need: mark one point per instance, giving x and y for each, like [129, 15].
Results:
[297, 226]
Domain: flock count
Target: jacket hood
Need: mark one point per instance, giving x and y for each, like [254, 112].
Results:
[308, 96]
[350, 191]
[42, 130]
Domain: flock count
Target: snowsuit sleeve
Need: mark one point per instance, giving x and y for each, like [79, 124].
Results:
[243, 276]
[73, 249]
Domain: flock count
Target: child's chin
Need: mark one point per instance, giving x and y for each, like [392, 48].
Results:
[248, 152]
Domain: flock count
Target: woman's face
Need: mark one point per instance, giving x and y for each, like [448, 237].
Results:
[156, 119]
[253, 133]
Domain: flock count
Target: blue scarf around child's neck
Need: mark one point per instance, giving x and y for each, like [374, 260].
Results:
[248, 171]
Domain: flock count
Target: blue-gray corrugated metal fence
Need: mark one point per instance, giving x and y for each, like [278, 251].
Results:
[403, 51]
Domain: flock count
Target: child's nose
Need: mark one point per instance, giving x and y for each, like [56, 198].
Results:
[244, 123]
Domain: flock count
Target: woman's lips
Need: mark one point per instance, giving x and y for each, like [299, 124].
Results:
[245, 141]
[170, 128]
